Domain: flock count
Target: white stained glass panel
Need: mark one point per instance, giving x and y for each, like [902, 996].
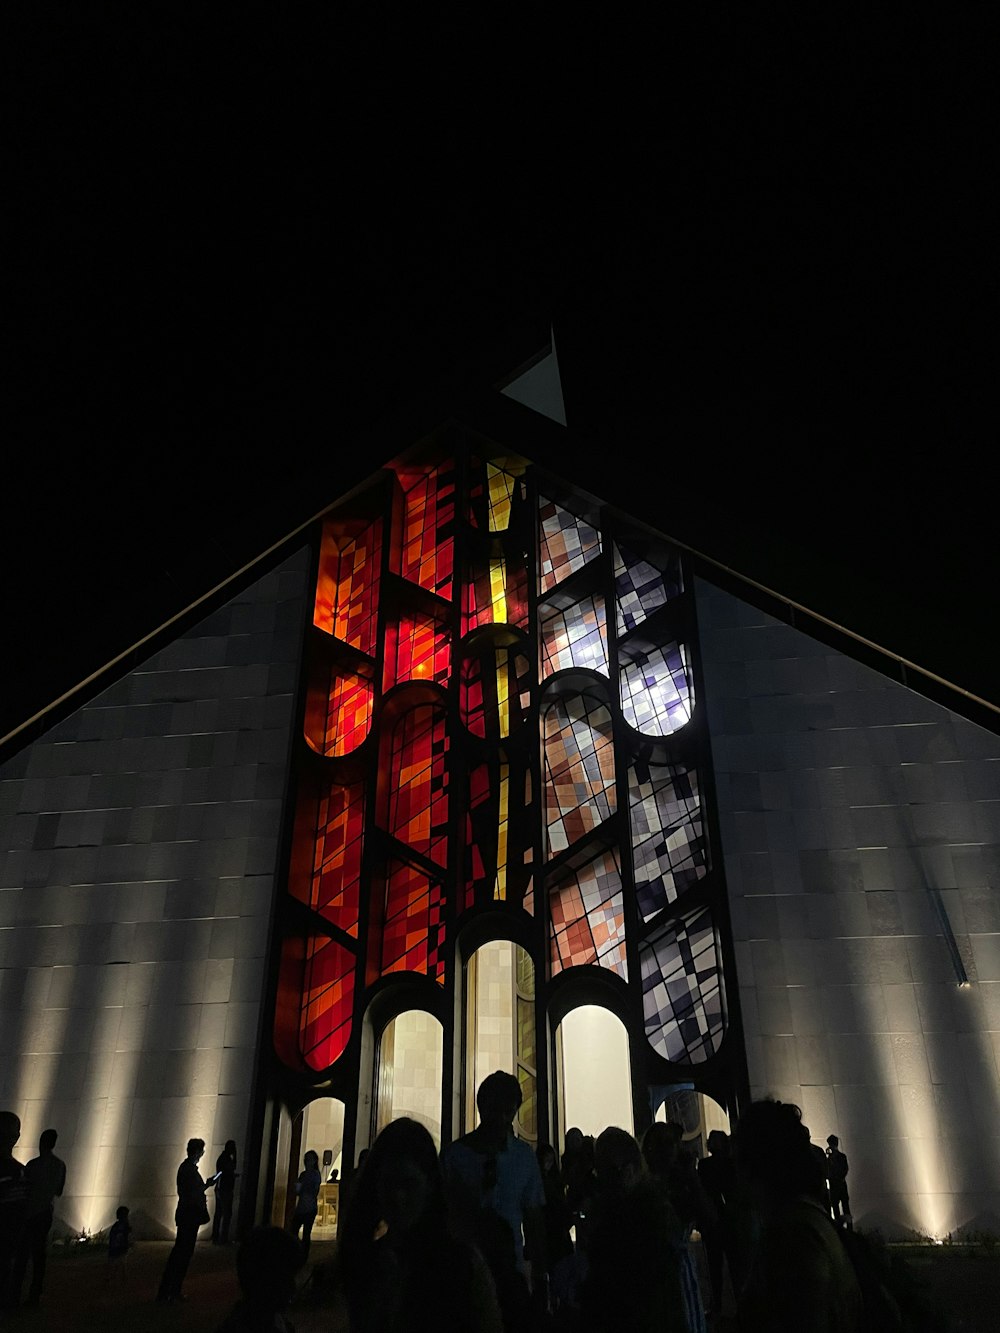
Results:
[656, 693]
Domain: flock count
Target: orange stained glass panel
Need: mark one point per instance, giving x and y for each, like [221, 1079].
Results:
[428, 526]
[418, 802]
[347, 586]
[417, 649]
[327, 1001]
[348, 714]
[413, 932]
[337, 861]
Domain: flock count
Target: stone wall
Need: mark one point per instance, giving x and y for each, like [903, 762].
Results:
[138, 841]
[861, 827]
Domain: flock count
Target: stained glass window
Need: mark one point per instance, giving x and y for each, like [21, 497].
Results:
[343, 718]
[579, 769]
[418, 799]
[492, 492]
[327, 1001]
[682, 999]
[496, 594]
[574, 636]
[497, 866]
[429, 526]
[347, 586]
[587, 918]
[417, 649]
[565, 543]
[589, 609]
[479, 822]
[494, 693]
[334, 887]
[413, 929]
[656, 692]
[500, 490]
[669, 852]
[640, 587]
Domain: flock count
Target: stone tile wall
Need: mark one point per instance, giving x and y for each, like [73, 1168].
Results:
[138, 842]
[859, 822]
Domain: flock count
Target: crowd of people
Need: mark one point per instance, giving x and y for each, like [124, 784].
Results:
[492, 1236]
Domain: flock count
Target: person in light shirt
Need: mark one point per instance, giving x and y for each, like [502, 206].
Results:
[495, 1194]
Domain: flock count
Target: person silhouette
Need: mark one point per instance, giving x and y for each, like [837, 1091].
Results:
[307, 1189]
[225, 1188]
[191, 1214]
[496, 1195]
[630, 1278]
[266, 1265]
[673, 1171]
[799, 1274]
[405, 1270]
[119, 1244]
[45, 1178]
[717, 1173]
[836, 1177]
[819, 1158]
[13, 1195]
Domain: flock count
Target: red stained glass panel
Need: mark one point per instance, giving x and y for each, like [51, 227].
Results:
[334, 889]
[347, 717]
[413, 931]
[428, 553]
[327, 1001]
[418, 799]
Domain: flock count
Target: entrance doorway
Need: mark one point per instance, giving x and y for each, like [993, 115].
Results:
[696, 1113]
[318, 1128]
[593, 1072]
[500, 1028]
[409, 1072]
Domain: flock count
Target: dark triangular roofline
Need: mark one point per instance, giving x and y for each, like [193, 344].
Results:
[499, 420]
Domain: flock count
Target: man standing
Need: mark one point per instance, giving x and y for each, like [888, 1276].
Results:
[191, 1213]
[45, 1177]
[495, 1188]
[12, 1199]
[836, 1175]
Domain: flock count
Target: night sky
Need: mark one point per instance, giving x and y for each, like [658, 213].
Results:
[244, 248]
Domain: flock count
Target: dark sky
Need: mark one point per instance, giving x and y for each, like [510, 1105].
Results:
[241, 244]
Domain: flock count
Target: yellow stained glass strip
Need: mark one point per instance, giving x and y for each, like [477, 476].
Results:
[500, 889]
[500, 485]
[498, 591]
[503, 695]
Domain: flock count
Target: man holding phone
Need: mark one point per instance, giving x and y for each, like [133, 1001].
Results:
[190, 1214]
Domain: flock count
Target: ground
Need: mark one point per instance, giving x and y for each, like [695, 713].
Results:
[963, 1282]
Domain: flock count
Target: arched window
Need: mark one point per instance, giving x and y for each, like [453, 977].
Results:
[594, 1079]
[408, 1073]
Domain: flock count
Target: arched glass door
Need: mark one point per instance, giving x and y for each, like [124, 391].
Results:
[500, 1028]
[408, 1076]
[594, 1082]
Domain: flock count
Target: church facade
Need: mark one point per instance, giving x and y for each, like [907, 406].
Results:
[481, 773]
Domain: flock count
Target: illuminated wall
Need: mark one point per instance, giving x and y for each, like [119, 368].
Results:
[501, 742]
[861, 828]
[140, 840]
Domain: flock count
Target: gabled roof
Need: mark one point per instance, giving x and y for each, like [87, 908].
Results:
[525, 413]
